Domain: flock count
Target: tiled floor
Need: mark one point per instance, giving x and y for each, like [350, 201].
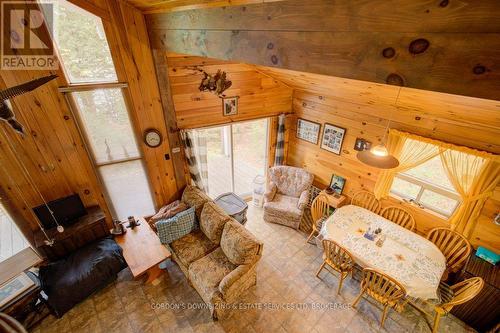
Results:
[286, 277]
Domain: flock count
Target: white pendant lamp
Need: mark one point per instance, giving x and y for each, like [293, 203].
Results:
[378, 156]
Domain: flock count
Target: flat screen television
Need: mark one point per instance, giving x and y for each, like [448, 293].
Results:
[66, 210]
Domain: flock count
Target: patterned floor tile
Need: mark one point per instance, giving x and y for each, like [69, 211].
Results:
[285, 279]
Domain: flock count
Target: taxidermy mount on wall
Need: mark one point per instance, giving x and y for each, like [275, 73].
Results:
[6, 113]
[217, 83]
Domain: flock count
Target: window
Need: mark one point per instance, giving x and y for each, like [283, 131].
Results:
[82, 45]
[101, 110]
[428, 186]
[12, 240]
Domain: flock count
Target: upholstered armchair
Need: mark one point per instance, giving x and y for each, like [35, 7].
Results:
[287, 195]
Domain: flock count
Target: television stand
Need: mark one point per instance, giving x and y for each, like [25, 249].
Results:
[87, 229]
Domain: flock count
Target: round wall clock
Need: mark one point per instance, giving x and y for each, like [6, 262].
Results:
[152, 138]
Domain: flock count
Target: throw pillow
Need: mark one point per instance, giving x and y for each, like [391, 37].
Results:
[169, 210]
[176, 227]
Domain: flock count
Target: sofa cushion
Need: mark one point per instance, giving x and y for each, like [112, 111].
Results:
[284, 204]
[192, 247]
[195, 197]
[238, 244]
[206, 273]
[176, 227]
[212, 221]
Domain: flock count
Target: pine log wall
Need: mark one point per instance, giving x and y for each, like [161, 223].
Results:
[364, 108]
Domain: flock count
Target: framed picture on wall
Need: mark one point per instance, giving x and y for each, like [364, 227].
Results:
[230, 106]
[337, 184]
[362, 144]
[308, 130]
[333, 137]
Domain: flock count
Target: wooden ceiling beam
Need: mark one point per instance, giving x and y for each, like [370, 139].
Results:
[339, 16]
[444, 46]
[457, 63]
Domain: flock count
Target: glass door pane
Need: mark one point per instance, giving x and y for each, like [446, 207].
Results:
[249, 154]
[218, 160]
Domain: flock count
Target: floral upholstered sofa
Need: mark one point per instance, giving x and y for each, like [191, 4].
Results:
[220, 258]
[287, 195]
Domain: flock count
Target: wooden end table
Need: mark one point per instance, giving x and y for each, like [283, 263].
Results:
[143, 251]
[335, 202]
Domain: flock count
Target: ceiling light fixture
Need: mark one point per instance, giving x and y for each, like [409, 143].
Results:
[378, 156]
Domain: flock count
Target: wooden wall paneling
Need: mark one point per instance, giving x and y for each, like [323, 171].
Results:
[51, 150]
[364, 109]
[461, 120]
[181, 173]
[427, 53]
[259, 95]
[133, 59]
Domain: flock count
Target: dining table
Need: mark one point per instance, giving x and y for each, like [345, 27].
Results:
[409, 258]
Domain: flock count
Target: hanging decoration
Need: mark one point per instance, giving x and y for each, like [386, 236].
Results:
[217, 83]
[378, 156]
[6, 113]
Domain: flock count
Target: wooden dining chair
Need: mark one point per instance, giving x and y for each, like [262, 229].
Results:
[382, 288]
[451, 296]
[455, 248]
[320, 209]
[366, 200]
[399, 216]
[337, 258]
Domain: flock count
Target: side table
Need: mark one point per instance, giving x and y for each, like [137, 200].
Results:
[335, 201]
[143, 251]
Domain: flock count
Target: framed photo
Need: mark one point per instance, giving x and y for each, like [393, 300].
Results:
[230, 106]
[333, 137]
[308, 130]
[362, 144]
[337, 184]
[14, 288]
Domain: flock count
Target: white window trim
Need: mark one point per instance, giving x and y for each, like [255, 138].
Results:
[430, 187]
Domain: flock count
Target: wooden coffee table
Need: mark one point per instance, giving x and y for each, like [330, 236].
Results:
[143, 251]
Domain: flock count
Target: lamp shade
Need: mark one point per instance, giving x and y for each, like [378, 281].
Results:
[378, 158]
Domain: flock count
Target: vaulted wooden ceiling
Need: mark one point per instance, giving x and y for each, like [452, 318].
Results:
[438, 45]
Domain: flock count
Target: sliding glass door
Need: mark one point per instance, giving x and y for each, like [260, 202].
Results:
[236, 154]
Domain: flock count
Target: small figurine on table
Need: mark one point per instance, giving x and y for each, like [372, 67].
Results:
[132, 222]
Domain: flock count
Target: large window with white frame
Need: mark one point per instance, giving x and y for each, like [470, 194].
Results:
[427, 186]
[99, 104]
